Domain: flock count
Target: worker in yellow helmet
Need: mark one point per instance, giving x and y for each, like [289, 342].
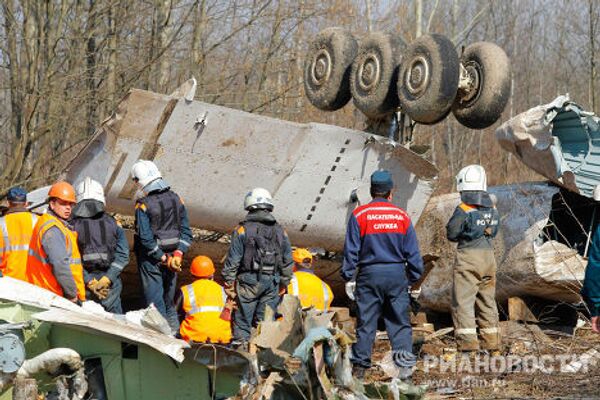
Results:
[308, 287]
[203, 302]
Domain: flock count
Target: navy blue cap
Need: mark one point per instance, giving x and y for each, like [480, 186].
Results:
[381, 181]
[17, 195]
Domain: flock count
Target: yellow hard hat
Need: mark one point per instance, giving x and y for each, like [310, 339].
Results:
[302, 256]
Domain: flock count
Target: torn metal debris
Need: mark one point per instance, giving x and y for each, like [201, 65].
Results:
[559, 140]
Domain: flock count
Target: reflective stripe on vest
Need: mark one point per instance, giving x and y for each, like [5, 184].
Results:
[325, 296]
[200, 309]
[295, 288]
[4, 229]
[39, 257]
[167, 242]
[95, 256]
[21, 247]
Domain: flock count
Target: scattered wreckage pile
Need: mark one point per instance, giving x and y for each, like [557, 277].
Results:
[64, 351]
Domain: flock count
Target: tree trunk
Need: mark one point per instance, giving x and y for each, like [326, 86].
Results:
[163, 25]
[91, 60]
[16, 96]
[111, 79]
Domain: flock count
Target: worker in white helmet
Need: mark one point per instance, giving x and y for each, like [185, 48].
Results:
[162, 237]
[258, 267]
[473, 225]
[102, 244]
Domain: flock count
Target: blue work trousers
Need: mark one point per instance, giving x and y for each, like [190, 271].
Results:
[253, 296]
[159, 285]
[112, 303]
[381, 290]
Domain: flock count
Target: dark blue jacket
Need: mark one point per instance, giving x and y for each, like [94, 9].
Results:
[381, 233]
[473, 226]
[591, 284]
[235, 255]
[145, 238]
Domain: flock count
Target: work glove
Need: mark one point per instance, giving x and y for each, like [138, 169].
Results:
[174, 262]
[350, 290]
[103, 287]
[414, 294]
[229, 288]
[93, 287]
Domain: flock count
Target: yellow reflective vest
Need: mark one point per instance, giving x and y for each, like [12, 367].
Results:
[16, 229]
[203, 302]
[311, 290]
[39, 271]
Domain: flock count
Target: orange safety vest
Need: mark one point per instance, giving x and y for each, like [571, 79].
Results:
[203, 302]
[311, 290]
[39, 271]
[15, 233]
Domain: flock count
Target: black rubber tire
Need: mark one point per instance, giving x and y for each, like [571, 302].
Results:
[428, 78]
[374, 74]
[485, 104]
[327, 68]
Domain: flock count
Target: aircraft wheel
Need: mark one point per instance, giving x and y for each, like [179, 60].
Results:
[485, 86]
[327, 68]
[374, 74]
[428, 78]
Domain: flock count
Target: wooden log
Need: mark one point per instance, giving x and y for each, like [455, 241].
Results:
[519, 311]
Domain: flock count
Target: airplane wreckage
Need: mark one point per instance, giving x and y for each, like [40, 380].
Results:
[318, 174]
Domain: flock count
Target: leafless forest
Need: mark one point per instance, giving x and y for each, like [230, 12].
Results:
[65, 64]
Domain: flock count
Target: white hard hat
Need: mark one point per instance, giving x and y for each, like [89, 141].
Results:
[89, 189]
[258, 198]
[471, 177]
[145, 171]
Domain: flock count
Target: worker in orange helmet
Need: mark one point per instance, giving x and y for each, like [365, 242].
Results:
[308, 287]
[54, 262]
[203, 301]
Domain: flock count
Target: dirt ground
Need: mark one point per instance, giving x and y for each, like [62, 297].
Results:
[523, 342]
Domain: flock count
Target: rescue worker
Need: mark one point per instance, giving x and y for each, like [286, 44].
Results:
[162, 236]
[203, 301]
[590, 292]
[102, 244]
[54, 262]
[381, 262]
[473, 225]
[16, 227]
[307, 286]
[258, 267]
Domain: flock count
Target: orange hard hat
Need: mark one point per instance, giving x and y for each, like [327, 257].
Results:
[202, 267]
[302, 256]
[62, 190]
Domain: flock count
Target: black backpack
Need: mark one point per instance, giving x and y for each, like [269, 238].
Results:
[263, 248]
